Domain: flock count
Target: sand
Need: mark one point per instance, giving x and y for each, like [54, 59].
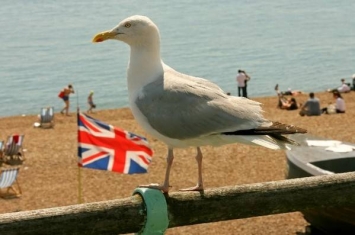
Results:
[49, 178]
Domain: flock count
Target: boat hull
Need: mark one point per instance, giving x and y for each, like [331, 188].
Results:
[307, 161]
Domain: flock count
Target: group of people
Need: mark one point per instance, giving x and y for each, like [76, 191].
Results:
[64, 95]
[312, 106]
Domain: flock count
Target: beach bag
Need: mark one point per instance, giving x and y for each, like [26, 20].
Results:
[61, 94]
[331, 109]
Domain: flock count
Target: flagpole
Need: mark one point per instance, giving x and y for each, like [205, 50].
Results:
[80, 187]
[80, 194]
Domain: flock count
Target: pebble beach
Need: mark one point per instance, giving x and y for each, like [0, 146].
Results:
[49, 175]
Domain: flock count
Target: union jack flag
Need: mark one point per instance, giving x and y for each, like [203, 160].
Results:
[105, 147]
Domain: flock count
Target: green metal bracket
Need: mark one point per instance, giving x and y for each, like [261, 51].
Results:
[157, 220]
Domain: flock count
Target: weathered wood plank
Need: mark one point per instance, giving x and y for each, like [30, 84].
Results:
[226, 203]
[109, 217]
[260, 199]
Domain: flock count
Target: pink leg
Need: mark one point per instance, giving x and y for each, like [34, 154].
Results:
[67, 108]
[199, 186]
[165, 187]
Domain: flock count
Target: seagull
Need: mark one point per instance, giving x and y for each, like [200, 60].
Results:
[186, 111]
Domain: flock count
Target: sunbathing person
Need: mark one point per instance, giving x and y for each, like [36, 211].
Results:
[288, 104]
[288, 92]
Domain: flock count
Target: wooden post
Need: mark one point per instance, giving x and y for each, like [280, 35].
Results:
[187, 208]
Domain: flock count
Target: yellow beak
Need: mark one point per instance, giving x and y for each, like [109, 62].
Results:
[100, 37]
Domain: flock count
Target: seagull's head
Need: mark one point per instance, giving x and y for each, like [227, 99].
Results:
[133, 30]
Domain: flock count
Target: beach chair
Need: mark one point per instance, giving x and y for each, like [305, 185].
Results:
[13, 153]
[8, 180]
[47, 117]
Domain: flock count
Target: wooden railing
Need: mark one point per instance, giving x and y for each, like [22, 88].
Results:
[186, 208]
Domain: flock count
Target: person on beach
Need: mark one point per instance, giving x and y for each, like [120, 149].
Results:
[288, 92]
[343, 88]
[91, 102]
[284, 103]
[311, 107]
[338, 107]
[64, 95]
[242, 79]
[290, 104]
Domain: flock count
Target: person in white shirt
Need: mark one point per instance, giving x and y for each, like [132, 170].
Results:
[344, 87]
[242, 79]
[339, 105]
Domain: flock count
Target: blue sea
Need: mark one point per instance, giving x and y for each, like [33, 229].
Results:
[45, 45]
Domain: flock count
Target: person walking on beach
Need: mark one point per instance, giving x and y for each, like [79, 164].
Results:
[91, 102]
[64, 94]
[242, 79]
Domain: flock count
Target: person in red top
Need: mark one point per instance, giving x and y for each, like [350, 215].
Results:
[65, 96]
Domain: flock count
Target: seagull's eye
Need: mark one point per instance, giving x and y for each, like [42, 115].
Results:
[127, 25]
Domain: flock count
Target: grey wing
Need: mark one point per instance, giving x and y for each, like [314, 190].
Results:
[183, 107]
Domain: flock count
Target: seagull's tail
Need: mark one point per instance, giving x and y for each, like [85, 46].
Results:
[271, 137]
[267, 141]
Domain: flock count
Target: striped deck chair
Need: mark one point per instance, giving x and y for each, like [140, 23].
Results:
[13, 150]
[47, 117]
[8, 178]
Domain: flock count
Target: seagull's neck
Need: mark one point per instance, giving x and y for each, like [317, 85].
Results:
[144, 67]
